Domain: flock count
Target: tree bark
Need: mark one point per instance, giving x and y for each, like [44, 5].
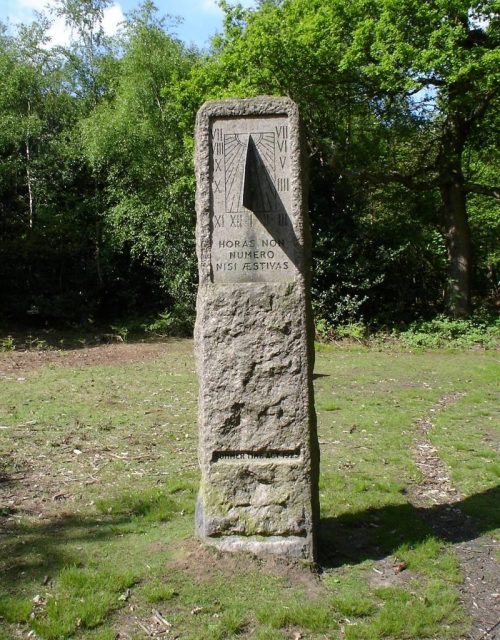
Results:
[28, 168]
[98, 235]
[457, 231]
[28, 180]
[458, 240]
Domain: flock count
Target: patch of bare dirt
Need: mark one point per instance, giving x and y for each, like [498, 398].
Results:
[388, 572]
[477, 555]
[15, 362]
[204, 563]
[436, 487]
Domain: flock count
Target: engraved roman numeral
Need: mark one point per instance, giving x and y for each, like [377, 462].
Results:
[217, 165]
[283, 220]
[236, 220]
[219, 221]
[282, 145]
[217, 134]
[283, 184]
[217, 186]
[282, 161]
[218, 148]
[282, 132]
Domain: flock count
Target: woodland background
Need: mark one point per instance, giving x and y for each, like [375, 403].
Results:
[400, 103]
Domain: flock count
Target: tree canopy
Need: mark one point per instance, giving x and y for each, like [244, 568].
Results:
[400, 107]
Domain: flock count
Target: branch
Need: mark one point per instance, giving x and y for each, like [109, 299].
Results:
[481, 109]
[485, 190]
[430, 81]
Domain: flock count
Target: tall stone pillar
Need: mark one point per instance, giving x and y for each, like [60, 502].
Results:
[258, 446]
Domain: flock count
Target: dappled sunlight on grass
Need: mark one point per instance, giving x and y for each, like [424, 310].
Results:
[100, 476]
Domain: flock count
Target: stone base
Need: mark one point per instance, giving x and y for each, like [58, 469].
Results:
[294, 547]
[290, 546]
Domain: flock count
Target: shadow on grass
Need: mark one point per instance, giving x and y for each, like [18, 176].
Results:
[34, 552]
[374, 533]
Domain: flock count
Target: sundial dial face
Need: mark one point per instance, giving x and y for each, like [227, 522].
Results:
[253, 239]
[249, 161]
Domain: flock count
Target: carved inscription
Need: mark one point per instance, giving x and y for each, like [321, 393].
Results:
[252, 235]
[283, 184]
[275, 454]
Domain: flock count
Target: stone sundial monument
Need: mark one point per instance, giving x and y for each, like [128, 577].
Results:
[258, 446]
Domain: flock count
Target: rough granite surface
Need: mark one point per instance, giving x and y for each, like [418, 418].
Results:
[258, 447]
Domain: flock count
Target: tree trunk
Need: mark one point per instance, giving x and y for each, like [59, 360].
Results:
[28, 180]
[458, 240]
[28, 168]
[98, 234]
[457, 230]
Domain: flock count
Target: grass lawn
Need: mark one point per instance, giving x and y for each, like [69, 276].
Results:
[98, 479]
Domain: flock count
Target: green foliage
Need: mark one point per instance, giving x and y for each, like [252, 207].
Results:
[229, 625]
[400, 616]
[82, 600]
[7, 344]
[443, 331]
[354, 605]
[314, 616]
[136, 143]
[266, 633]
[158, 592]
[431, 556]
[156, 505]
[178, 322]
[96, 178]
[377, 85]
[350, 597]
[15, 609]
[97, 212]
[33, 343]
[481, 330]
[356, 331]
[102, 634]
[329, 406]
